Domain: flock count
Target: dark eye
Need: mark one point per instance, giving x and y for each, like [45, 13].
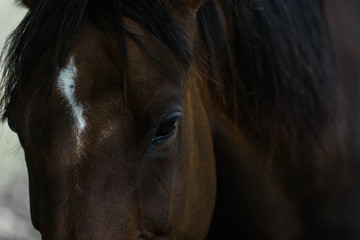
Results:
[11, 125]
[166, 128]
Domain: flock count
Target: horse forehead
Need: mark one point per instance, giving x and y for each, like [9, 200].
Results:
[96, 74]
[66, 84]
[100, 63]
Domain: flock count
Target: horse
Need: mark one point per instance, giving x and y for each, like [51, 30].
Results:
[188, 119]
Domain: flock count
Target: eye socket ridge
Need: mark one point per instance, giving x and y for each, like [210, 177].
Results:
[166, 128]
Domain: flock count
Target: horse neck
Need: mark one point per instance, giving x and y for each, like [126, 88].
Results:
[267, 127]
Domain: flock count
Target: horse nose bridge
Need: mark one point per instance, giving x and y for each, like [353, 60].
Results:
[91, 201]
[103, 204]
[89, 213]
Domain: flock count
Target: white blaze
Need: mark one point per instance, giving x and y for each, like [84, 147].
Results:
[66, 85]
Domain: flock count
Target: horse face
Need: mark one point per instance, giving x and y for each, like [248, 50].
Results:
[109, 162]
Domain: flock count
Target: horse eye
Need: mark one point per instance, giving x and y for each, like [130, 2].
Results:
[166, 128]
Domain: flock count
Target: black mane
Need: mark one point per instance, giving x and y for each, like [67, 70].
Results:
[57, 23]
[280, 84]
[278, 79]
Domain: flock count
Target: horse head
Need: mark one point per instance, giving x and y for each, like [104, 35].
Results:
[117, 139]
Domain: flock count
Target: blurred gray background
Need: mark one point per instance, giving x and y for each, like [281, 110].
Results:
[15, 223]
